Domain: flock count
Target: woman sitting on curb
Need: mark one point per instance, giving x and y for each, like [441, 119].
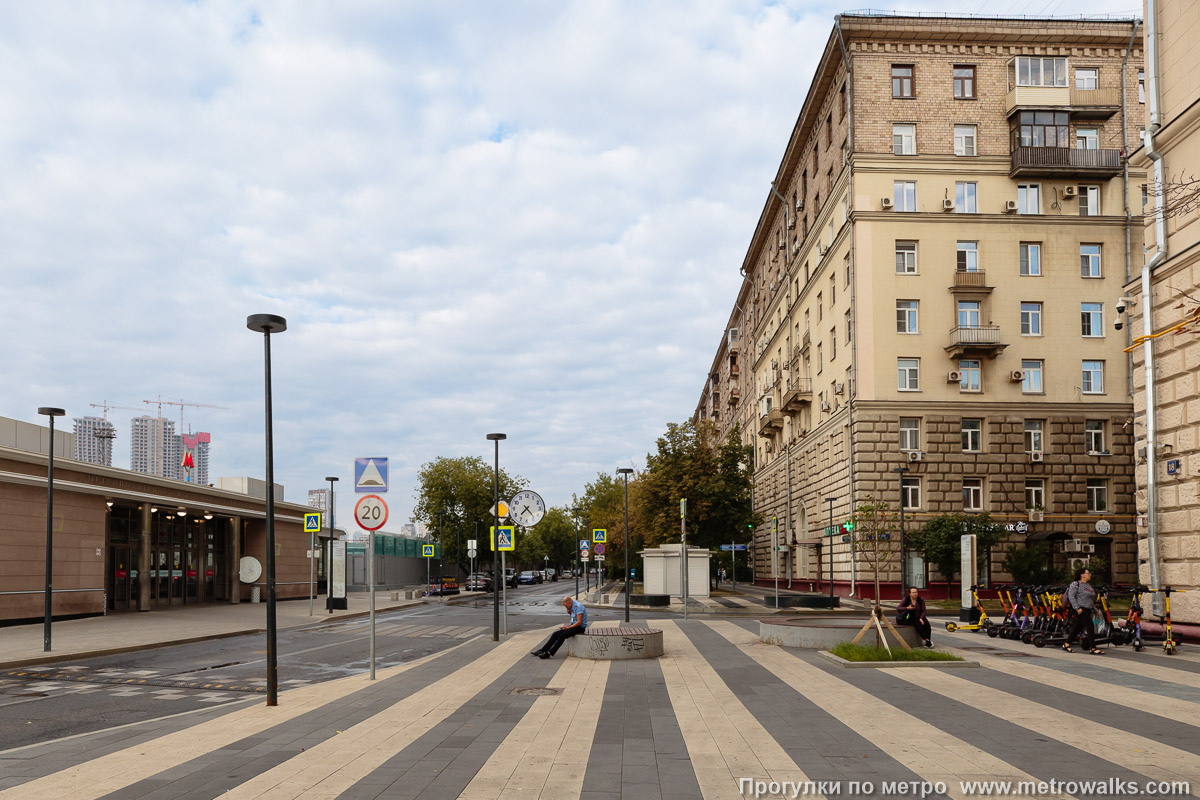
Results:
[912, 612]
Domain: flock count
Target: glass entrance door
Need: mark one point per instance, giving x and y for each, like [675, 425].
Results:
[122, 577]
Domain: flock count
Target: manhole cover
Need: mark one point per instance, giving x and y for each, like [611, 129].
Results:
[536, 691]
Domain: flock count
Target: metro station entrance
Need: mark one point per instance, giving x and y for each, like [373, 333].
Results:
[187, 559]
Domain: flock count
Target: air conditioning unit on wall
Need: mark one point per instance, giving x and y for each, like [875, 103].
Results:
[954, 376]
[1069, 191]
[1073, 546]
[947, 205]
[1017, 375]
[916, 455]
[1010, 206]
[1037, 456]
[886, 203]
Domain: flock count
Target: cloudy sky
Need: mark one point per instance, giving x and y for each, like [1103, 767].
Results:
[524, 217]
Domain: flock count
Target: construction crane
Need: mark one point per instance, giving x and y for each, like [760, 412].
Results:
[107, 405]
[162, 453]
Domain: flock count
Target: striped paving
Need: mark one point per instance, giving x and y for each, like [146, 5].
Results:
[484, 721]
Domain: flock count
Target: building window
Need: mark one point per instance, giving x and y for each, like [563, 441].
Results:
[965, 197]
[1043, 129]
[1093, 435]
[904, 195]
[1089, 260]
[1031, 383]
[967, 257]
[910, 433]
[820, 359]
[904, 140]
[1034, 429]
[972, 491]
[964, 140]
[972, 375]
[1093, 377]
[846, 261]
[964, 81]
[906, 316]
[832, 289]
[1141, 85]
[820, 307]
[972, 435]
[1035, 493]
[1031, 319]
[842, 102]
[968, 313]
[1092, 318]
[902, 80]
[1089, 201]
[1029, 198]
[832, 344]
[909, 370]
[1087, 138]
[1031, 258]
[1087, 78]
[906, 258]
[1035, 71]
[1097, 495]
[849, 329]
[910, 492]
[829, 131]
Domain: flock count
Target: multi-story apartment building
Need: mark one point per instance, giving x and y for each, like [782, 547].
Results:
[1171, 153]
[198, 445]
[317, 498]
[94, 440]
[154, 449]
[928, 294]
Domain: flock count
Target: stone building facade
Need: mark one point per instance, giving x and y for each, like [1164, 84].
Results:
[928, 294]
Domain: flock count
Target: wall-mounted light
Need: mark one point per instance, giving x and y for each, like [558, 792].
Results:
[208, 515]
[181, 512]
[153, 509]
[108, 503]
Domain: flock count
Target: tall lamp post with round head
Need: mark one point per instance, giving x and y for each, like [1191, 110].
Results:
[268, 324]
[830, 501]
[499, 576]
[329, 558]
[51, 413]
[625, 472]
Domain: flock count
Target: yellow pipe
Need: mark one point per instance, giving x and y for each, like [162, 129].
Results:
[1138, 341]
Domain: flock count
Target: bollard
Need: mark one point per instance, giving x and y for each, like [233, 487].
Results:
[255, 594]
[395, 596]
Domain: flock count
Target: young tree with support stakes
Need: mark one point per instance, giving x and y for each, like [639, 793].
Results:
[875, 538]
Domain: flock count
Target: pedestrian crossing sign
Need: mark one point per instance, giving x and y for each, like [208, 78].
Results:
[428, 550]
[599, 535]
[312, 521]
[506, 540]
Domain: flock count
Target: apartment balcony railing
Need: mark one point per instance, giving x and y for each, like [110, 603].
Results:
[1064, 162]
[796, 393]
[1081, 103]
[978, 339]
[970, 282]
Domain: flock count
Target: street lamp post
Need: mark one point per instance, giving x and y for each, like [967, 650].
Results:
[51, 413]
[830, 500]
[268, 324]
[626, 472]
[903, 542]
[329, 560]
[499, 576]
[575, 560]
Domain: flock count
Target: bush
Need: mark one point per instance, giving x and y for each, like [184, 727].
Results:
[1030, 565]
[859, 652]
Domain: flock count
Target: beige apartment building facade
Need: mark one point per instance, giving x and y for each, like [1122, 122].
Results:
[928, 298]
[1172, 260]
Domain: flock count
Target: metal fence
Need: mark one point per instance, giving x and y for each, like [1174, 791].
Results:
[393, 572]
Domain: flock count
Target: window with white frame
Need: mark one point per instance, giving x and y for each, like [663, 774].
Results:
[906, 258]
[820, 307]
[832, 344]
[820, 359]
[1093, 435]
[1031, 258]
[904, 195]
[972, 435]
[910, 492]
[1035, 494]
[904, 140]
[1092, 319]
[1087, 78]
[1031, 381]
[968, 313]
[1029, 198]
[1089, 201]
[1097, 495]
[832, 289]
[910, 433]
[849, 329]
[1087, 138]
[1034, 431]
[1038, 71]
[1031, 319]
[967, 257]
[1089, 260]
[964, 140]
[909, 374]
[965, 197]
[1093, 377]
[1141, 85]
[972, 492]
[906, 316]
[972, 375]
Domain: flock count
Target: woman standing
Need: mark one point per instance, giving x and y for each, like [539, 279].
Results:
[1081, 604]
[912, 612]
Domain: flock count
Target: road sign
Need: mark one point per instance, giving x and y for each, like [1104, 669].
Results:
[583, 556]
[471, 552]
[370, 475]
[599, 535]
[472, 544]
[499, 509]
[583, 544]
[507, 540]
[599, 548]
[599, 558]
[428, 550]
[371, 512]
[738, 547]
[312, 521]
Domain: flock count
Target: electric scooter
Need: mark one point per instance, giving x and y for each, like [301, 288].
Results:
[984, 622]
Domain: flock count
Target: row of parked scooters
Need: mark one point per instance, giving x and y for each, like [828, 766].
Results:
[1038, 615]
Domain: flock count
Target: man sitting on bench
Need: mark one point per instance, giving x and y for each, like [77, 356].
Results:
[579, 621]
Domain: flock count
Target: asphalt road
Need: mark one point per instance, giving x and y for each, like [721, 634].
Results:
[82, 696]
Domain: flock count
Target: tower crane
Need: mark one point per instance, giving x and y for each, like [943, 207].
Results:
[162, 453]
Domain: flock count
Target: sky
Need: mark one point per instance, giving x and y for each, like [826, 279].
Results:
[476, 217]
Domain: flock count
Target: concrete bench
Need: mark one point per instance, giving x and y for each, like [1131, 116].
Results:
[613, 643]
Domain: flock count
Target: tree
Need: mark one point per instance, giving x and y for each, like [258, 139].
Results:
[939, 541]
[875, 537]
[453, 495]
[603, 506]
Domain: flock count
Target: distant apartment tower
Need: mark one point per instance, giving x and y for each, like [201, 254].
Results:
[318, 498]
[93, 440]
[154, 450]
[197, 444]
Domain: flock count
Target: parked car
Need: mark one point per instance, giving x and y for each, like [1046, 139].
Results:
[510, 577]
[478, 582]
[528, 576]
[443, 585]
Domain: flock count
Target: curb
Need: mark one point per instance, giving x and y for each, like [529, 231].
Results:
[896, 664]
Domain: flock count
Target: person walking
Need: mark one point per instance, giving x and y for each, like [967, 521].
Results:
[911, 611]
[578, 624]
[1080, 598]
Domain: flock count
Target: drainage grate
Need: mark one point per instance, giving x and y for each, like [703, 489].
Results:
[536, 691]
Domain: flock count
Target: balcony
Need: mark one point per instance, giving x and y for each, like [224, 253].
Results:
[1095, 103]
[734, 393]
[796, 394]
[970, 282]
[771, 422]
[1057, 97]
[805, 341]
[975, 340]
[1064, 162]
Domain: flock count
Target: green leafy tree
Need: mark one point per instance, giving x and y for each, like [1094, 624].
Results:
[603, 506]
[875, 538]
[453, 498]
[939, 541]
[1031, 564]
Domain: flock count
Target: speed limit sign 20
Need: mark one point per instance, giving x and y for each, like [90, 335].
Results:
[371, 512]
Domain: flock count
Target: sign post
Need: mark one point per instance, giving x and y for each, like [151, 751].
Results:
[683, 558]
[968, 572]
[504, 539]
[775, 555]
[312, 526]
[371, 589]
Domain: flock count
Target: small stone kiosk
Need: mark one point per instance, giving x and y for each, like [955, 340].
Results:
[663, 571]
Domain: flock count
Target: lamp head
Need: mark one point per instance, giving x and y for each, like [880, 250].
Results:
[496, 437]
[47, 411]
[266, 323]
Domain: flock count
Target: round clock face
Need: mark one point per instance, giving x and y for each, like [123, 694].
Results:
[526, 508]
